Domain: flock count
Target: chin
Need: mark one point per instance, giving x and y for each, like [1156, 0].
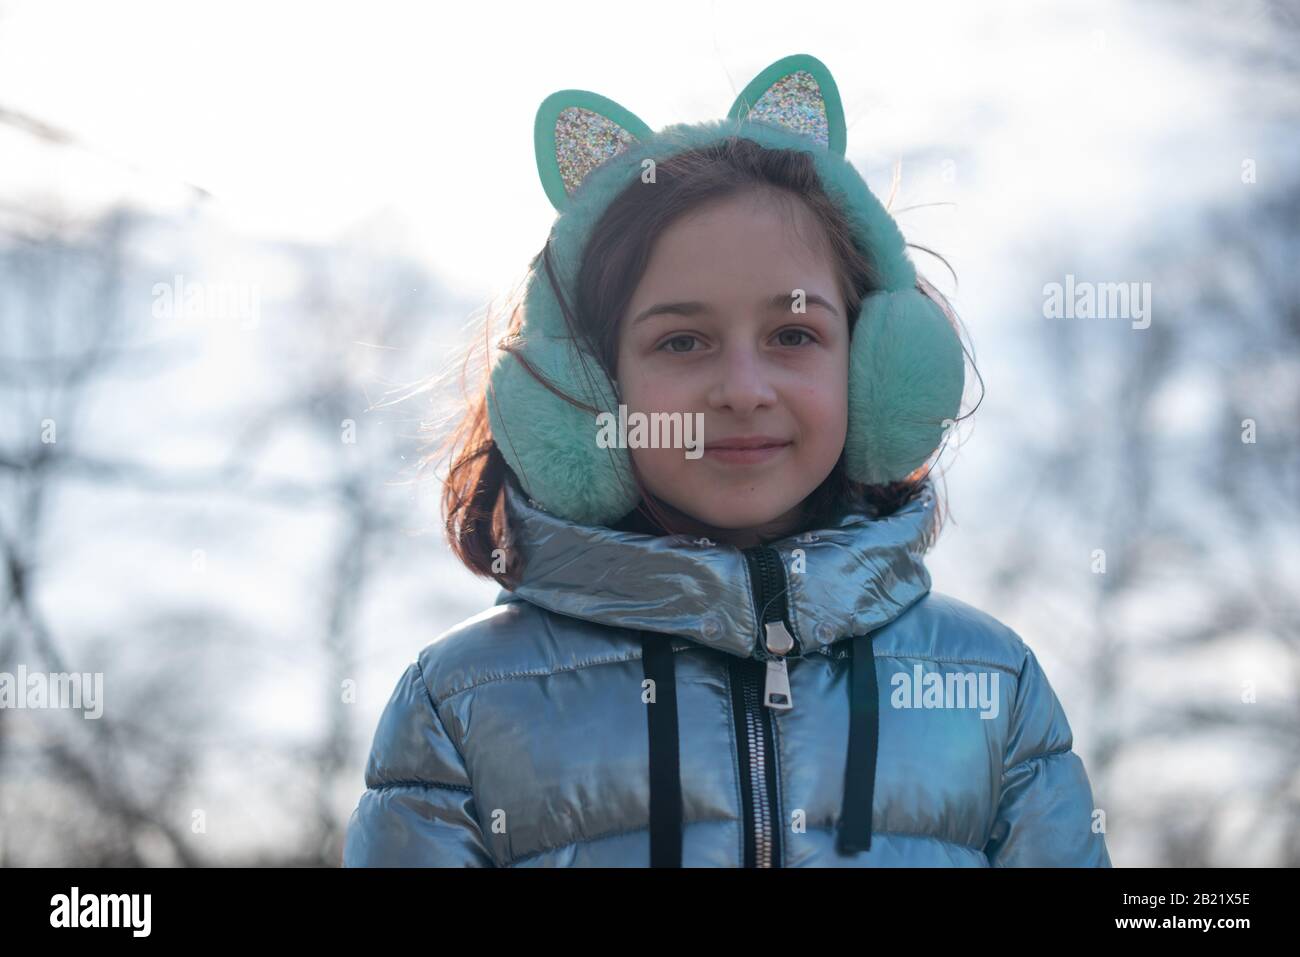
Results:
[734, 519]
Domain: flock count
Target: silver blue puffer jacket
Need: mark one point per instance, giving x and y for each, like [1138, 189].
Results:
[629, 705]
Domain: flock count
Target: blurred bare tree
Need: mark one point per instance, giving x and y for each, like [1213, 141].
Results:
[123, 788]
[1159, 520]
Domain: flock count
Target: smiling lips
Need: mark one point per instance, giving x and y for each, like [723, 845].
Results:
[746, 450]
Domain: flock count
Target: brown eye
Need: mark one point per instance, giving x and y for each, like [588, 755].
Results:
[797, 332]
[669, 342]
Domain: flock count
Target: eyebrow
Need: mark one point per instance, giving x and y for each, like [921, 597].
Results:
[692, 308]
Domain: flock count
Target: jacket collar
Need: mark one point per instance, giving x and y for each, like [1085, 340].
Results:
[847, 579]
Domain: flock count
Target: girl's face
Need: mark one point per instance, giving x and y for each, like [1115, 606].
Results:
[716, 327]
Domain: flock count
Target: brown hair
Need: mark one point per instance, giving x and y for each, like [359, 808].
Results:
[614, 259]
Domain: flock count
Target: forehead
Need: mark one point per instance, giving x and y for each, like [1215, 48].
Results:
[765, 235]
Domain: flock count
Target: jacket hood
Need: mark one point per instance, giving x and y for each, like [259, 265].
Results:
[847, 579]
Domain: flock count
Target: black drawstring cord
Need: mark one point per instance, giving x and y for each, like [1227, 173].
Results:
[665, 760]
[864, 732]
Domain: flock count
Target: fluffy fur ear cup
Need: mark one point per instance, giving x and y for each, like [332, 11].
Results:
[549, 443]
[906, 374]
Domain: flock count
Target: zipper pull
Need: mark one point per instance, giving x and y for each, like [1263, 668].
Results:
[776, 689]
[779, 641]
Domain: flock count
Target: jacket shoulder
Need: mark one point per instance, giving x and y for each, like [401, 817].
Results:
[516, 638]
[941, 628]
[944, 628]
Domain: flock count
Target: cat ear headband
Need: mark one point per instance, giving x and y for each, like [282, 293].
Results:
[906, 368]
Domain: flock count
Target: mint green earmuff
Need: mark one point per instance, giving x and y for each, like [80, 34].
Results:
[906, 366]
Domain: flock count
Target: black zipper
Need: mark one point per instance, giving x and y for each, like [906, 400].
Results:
[754, 733]
[768, 573]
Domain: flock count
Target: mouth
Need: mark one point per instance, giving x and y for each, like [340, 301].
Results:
[747, 451]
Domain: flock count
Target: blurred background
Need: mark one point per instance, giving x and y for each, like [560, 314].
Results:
[245, 247]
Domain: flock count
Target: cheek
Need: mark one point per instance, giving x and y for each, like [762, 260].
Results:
[648, 392]
[664, 472]
[824, 405]
[836, 396]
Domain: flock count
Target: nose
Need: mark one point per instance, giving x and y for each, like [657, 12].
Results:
[743, 384]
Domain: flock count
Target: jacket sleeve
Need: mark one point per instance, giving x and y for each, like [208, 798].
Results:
[418, 808]
[1045, 810]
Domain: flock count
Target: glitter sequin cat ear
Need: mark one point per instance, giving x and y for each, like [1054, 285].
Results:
[796, 93]
[575, 132]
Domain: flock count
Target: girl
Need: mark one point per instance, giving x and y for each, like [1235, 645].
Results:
[722, 654]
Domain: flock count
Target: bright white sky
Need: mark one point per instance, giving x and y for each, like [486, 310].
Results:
[304, 118]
